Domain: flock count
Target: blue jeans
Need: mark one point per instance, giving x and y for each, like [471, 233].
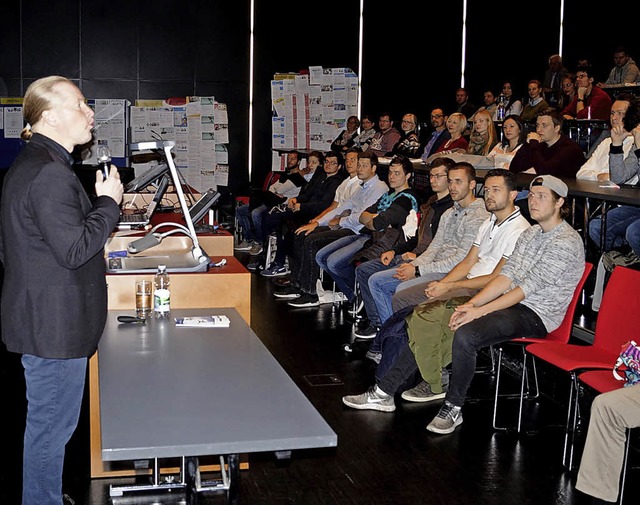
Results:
[383, 286]
[364, 271]
[252, 222]
[54, 397]
[622, 226]
[499, 326]
[335, 259]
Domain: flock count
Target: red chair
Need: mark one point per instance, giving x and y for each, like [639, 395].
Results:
[617, 323]
[558, 336]
[603, 381]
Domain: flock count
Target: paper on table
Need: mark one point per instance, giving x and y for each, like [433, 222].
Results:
[203, 321]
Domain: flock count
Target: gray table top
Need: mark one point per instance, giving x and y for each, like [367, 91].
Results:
[167, 391]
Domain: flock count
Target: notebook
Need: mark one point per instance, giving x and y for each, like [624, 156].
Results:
[143, 219]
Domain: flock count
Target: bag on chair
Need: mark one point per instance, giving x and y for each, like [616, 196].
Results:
[629, 364]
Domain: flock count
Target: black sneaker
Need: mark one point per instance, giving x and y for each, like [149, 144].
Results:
[287, 292]
[367, 332]
[253, 266]
[305, 300]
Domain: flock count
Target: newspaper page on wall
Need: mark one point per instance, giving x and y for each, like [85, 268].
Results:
[200, 129]
[309, 110]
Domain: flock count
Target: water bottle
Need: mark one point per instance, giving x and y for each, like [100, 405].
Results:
[501, 108]
[161, 294]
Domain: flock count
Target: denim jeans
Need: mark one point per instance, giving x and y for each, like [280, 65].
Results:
[335, 259]
[54, 397]
[499, 326]
[364, 271]
[383, 286]
[251, 222]
[620, 228]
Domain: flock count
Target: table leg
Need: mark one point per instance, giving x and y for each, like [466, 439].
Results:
[233, 463]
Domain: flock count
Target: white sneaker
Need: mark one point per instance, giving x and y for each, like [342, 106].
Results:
[242, 246]
[447, 420]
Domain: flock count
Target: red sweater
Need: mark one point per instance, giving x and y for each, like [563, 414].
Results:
[598, 100]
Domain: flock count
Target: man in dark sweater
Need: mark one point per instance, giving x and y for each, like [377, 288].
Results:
[547, 150]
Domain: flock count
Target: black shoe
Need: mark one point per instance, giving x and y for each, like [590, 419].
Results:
[287, 292]
[305, 300]
[253, 266]
[367, 332]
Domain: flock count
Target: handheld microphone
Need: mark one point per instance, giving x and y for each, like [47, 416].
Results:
[104, 160]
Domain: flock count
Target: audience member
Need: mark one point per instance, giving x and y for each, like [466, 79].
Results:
[429, 347]
[604, 449]
[431, 211]
[363, 139]
[409, 143]
[513, 105]
[548, 150]
[536, 101]
[512, 140]
[331, 227]
[456, 126]
[596, 168]
[490, 104]
[552, 82]
[384, 140]
[623, 222]
[528, 298]
[391, 210]
[346, 138]
[567, 91]
[391, 290]
[251, 216]
[463, 105]
[590, 102]
[439, 134]
[626, 71]
[483, 135]
[316, 196]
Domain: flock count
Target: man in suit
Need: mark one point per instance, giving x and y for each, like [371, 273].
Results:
[54, 297]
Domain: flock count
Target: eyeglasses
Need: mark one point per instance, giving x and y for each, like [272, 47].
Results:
[332, 162]
[404, 121]
[433, 116]
[437, 176]
[619, 113]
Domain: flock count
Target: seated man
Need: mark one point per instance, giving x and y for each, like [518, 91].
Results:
[429, 348]
[529, 298]
[601, 465]
[340, 222]
[316, 196]
[458, 227]
[391, 210]
[548, 150]
[430, 212]
[251, 216]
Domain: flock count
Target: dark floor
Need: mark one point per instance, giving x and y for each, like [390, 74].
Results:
[381, 458]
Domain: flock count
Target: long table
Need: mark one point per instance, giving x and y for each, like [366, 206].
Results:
[169, 392]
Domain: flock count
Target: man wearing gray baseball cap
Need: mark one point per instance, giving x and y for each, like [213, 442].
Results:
[528, 299]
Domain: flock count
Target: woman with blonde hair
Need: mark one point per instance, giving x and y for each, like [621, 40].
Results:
[483, 135]
[456, 126]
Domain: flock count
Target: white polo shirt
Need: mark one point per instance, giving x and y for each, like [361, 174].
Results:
[496, 241]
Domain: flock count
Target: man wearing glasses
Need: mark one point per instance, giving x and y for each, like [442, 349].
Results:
[387, 137]
[590, 102]
[439, 135]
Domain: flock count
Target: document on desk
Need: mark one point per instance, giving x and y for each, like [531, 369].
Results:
[203, 321]
[609, 184]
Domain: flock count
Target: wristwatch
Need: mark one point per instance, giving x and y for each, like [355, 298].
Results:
[417, 271]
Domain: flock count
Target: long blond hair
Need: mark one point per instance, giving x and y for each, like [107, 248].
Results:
[492, 135]
[39, 97]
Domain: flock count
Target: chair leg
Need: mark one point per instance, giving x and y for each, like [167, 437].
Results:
[524, 379]
[572, 423]
[495, 400]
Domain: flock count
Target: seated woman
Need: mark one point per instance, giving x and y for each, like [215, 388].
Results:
[512, 140]
[346, 139]
[513, 105]
[456, 126]
[409, 143]
[567, 91]
[483, 135]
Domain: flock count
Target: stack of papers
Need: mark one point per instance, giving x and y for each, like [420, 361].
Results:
[203, 321]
